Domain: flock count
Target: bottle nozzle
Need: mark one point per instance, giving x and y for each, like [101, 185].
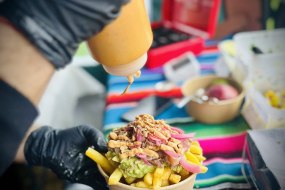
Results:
[127, 69]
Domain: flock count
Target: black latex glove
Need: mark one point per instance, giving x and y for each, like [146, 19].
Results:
[63, 151]
[57, 27]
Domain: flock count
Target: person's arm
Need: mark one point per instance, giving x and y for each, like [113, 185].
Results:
[49, 34]
[20, 156]
[24, 75]
[22, 66]
[22, 83]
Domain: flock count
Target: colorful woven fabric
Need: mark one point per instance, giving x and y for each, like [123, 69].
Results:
[222, 144]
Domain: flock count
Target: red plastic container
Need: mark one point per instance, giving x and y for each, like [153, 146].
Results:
[196, 19]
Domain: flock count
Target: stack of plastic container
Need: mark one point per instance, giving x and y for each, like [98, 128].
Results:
[262, 53]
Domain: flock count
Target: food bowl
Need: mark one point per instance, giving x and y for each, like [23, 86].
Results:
[186, 184]
[212, 112]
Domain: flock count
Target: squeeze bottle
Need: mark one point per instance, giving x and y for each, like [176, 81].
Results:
[121, 47]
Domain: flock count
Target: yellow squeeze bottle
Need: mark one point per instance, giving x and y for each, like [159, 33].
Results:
[121, 47]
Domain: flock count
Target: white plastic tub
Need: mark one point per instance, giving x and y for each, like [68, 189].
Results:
[266, 73]
[260, 114]
[268, 41]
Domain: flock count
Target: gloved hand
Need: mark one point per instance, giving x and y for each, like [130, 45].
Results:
[56, 27]
[63, 151]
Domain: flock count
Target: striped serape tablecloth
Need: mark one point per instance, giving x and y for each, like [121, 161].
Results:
[222, 144]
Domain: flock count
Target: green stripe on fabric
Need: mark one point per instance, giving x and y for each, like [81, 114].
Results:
[236, 126]
[218, 180]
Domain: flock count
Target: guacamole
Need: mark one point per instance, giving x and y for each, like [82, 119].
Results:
[133, 167]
